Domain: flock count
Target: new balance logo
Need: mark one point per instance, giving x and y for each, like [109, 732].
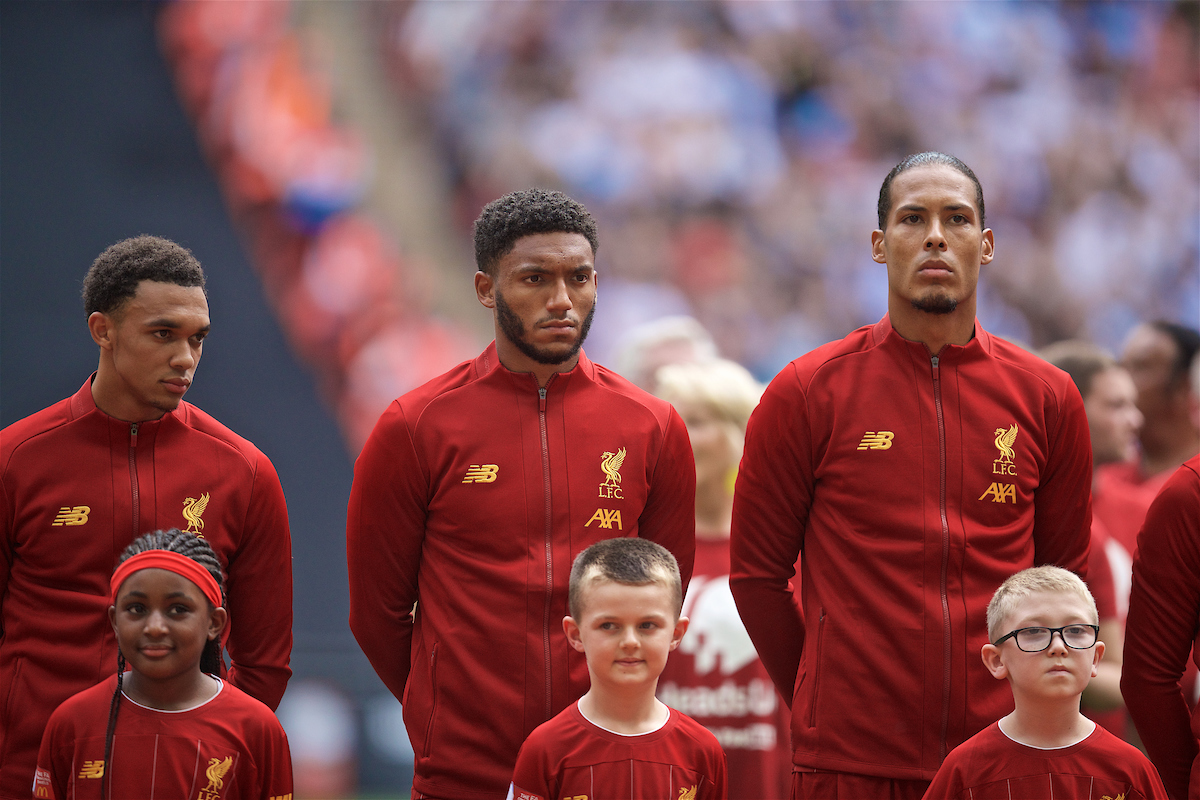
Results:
[606, 518]
[92, 769]
[1001, 493]
[481, 473]
[72, 516]
[876, 440]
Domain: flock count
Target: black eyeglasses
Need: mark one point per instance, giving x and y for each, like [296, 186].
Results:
[1035, 640]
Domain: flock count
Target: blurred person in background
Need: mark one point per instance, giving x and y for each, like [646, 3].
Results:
[475, 492]
[83, 478]
[1110, 400]
[668, 340]
[715, 676]
[1157, 355]
[1164, 624]
[912, 466]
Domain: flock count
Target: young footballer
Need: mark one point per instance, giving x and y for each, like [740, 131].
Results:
[618, 741]
[1043, 627]
[169, 727]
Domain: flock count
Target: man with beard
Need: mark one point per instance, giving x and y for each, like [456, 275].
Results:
[913, 466]
[476, 491]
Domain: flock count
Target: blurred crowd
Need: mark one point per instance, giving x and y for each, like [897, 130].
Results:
[733, 151]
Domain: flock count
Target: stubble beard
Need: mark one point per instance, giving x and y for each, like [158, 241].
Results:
[514, 331]
[935, 302]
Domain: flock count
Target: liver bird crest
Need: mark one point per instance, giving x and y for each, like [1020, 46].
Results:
[192, 509]
[1004, 442]
[216, 773]
[611, 464]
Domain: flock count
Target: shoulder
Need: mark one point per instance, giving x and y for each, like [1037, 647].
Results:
[199, 423]
[1018, 363]
[451, 387]
[47, 420]
[236, 709]
[85, 706]
[613, 389]
[687, 727]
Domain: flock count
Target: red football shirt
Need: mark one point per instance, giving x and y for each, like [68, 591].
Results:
[229, 748]
[570, 757]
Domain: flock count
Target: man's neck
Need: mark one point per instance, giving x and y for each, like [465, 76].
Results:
[631, 712]
[1169, 451]
[108, 397]
[935, 331]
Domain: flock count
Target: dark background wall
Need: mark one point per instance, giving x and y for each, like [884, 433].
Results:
[94, 148]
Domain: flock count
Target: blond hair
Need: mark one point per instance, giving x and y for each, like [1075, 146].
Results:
[724, 386]
[1029, 581]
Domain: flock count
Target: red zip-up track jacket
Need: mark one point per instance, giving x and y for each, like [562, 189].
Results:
[913, 485]
[1163, 631]
[76, 487]
[471, 498]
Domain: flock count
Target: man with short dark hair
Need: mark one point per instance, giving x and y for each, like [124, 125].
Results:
[125, 455]
[915, 465]
[476, 491]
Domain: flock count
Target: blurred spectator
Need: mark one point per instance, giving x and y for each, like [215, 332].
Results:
[715, 676]
[1109, 398]
[668, 340]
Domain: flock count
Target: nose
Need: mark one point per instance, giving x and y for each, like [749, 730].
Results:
[156, 623]
[560, 298]
[185, 356]
[1061, 646]
[936, 238]
[629, 639]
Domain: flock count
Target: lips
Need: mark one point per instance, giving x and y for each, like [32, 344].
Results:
[154, 650]
[177, 385]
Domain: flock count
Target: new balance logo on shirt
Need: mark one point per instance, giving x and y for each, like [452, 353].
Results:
[67, 515]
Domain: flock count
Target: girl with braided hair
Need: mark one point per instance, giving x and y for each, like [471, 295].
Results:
[169, 726]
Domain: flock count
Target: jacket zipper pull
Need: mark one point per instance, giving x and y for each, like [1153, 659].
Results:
[133, 429]
[934, 359]
[541, 398]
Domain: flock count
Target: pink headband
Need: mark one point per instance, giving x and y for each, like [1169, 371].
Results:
[172, 562]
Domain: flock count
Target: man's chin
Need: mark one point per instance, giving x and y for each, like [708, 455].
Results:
[938, 304]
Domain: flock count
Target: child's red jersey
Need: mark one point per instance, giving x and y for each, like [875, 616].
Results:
[229, 748]
[991, 765]
[571, 757]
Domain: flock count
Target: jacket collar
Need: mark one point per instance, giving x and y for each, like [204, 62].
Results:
[488, 362]
[82, 404]
[882, 333]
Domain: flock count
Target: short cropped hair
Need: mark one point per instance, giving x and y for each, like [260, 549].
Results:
[115, 274]
[1083, 361]
[1025, 583]
[632, 561]
[517, 214]
[725, 387]
[884, 207]
[1187, 345]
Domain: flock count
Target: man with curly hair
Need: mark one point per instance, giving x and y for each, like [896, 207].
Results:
[476, 491]
[126, 454]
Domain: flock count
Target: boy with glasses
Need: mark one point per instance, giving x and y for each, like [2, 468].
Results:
[1043, 629]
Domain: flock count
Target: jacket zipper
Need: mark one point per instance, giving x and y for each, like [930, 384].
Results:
[946, 649]
[549, 547]
[133, 477]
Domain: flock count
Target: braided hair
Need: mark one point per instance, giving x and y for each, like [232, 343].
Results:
[195, 548]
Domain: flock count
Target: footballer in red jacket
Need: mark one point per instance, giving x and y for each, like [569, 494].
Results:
[125, 455]
[475, 492]
[913, 466]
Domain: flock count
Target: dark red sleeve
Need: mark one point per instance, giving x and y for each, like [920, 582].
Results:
[385, 533]
[1062, 512]
[1162, 626]
[770, 510]
[669, 516]
[274, 760]
[259, 594]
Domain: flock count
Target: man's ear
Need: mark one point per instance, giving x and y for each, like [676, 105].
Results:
[993, 660]
[877, 253]
[101, 325]
[485, 289]
[989, 247]
[571, 629]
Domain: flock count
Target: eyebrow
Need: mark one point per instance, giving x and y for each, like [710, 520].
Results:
[167, 322]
